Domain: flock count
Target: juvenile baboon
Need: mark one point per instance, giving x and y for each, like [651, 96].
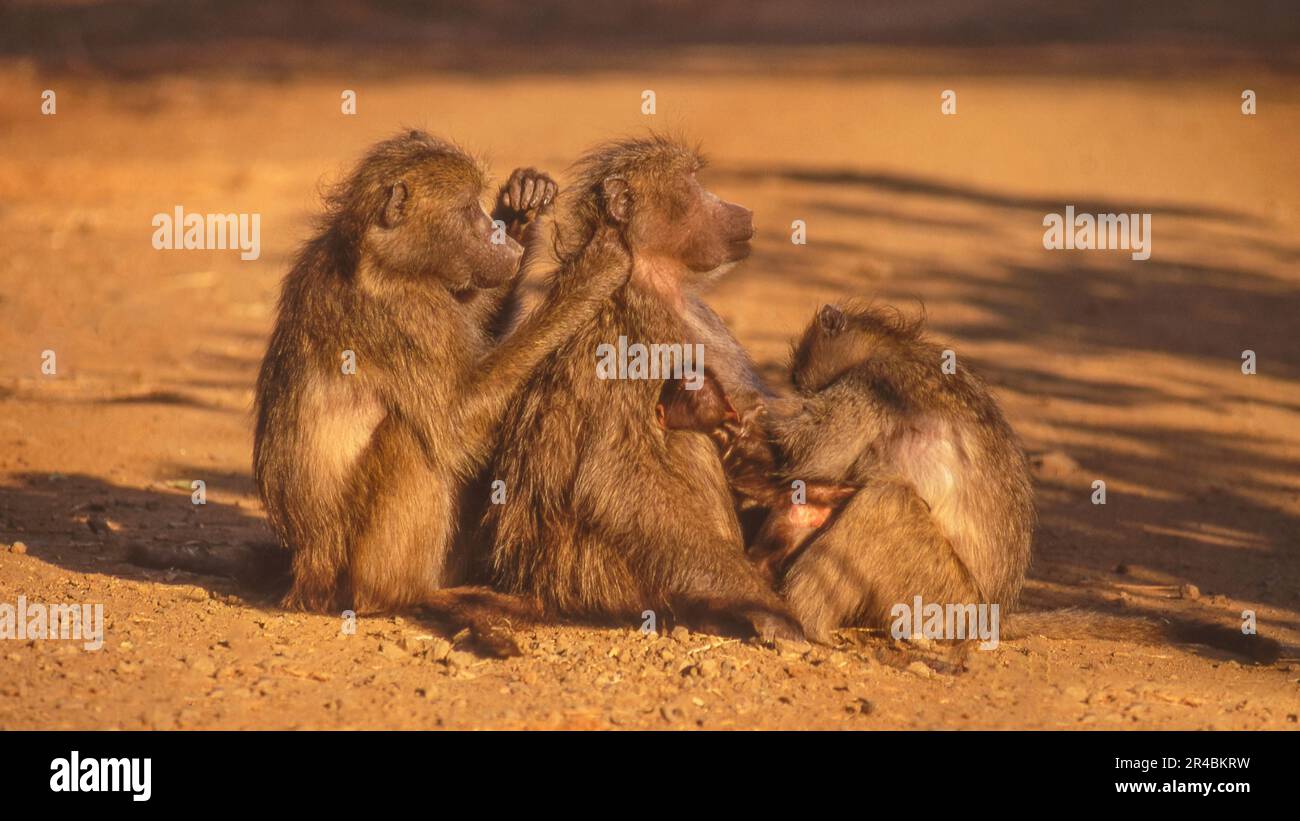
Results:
[610, 514]
[383, 385]
[945, 510]
[751, 460]
[706, 409]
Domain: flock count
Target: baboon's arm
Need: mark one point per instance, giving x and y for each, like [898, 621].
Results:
[504, 317]
[825, 435]
[521, 203]
[572, 302]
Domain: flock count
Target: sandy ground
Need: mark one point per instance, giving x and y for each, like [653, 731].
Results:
[1111, 369]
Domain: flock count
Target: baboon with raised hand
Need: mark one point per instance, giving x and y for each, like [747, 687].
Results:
[609, 513]
[384, 382]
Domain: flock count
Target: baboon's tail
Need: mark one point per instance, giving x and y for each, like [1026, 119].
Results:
[1070, 623]
[487, 614]
[262, 566]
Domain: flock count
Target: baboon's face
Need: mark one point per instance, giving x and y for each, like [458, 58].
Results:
[676, 217]
[433, 225]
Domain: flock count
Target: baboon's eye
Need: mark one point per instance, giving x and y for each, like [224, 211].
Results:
[679, 202]
[477, 217]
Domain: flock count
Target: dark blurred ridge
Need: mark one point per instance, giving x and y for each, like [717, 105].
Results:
[142, 36]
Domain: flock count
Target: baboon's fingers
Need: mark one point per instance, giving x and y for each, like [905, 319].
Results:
[530, 189]
[514, 192]
[539, 196]
[551, 190]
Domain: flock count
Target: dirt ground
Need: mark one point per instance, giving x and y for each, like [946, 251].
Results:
[1109, 368]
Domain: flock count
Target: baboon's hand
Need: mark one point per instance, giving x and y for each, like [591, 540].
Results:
[526, 194]
[770, 625]
[608, 264]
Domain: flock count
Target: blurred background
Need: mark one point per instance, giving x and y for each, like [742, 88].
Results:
[492, 36]
[825, 112]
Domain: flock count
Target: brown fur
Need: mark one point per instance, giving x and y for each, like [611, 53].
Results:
[608, 513]
[946, 506]
[750, 460]
[361, 474]
[703, 410]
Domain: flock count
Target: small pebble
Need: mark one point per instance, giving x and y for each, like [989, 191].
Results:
[439, 648]
[203, 666]
[918, 668]
[459, 658]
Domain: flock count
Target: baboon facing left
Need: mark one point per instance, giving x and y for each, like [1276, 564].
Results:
[945, 510]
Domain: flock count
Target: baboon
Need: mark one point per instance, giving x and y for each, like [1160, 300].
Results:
[945, 510]
[384, 384]
[609, 514]
[750, 460]
[703, 410]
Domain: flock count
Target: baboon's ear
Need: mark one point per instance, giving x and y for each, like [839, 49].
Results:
[831, 319]
[617, 195]
[395, 208]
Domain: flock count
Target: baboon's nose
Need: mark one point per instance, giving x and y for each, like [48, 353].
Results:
[742, 222]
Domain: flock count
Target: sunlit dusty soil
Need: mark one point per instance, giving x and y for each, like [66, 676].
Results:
[1116, 370]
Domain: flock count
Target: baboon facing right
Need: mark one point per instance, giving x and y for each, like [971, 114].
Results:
[610, 513]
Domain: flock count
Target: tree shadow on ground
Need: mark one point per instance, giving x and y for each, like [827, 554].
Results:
[1204, 494]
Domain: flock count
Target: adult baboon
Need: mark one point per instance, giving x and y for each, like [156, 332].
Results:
[383, 385]
[608, 513]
